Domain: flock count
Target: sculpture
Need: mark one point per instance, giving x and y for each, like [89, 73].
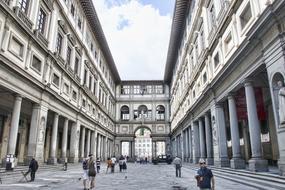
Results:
[281, 98]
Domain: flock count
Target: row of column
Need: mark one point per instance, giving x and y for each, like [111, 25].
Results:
[210, 140]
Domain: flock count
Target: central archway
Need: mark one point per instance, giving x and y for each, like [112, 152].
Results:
[143, 144]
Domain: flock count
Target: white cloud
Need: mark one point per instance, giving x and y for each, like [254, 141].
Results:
[138, 37]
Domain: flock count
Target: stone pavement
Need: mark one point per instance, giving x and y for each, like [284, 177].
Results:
[138, 177]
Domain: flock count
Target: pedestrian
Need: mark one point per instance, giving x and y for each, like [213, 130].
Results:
[109, 164]
[91, 172]
[124, 167]
[33, 167]
[85, 173]
[178, 164]
[98, 162]
[121, 162]
[114, 160]
[145, 159]
[205, 177]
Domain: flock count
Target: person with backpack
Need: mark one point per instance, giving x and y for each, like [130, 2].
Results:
[121, 162]
[91, 171]
[98, 162]
[204, 177]
[178, 164]
[114, 160]
[109, 164]
[33, 167]
[85, 172]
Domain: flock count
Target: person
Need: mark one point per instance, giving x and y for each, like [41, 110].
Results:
[98, 162]
[204, 177]
[85, 172]
[121, 162]
[124, 167]
[33, 167]
[145, 160]
[91, 172]
[281, 99]
[109, 164]
[114, 160]
[178, 164]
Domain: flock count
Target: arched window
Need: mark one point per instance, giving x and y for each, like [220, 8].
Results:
[125, 113]
[160, 112]
[142, 111]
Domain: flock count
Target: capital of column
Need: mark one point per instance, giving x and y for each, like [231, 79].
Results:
[247, 82]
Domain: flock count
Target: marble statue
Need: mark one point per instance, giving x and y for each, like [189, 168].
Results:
[281, 99]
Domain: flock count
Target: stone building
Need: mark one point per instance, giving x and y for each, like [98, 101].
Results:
[57, 82]
[226, 69]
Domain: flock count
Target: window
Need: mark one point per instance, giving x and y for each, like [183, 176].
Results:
[72, 10]
[159, 89]
[37, 64]
[125, 89]
[202, 38]
[228, 43]
[24, 5]
[160, 112]
[245, 16]
[137, 89]
[148, 89]
[74, 95]
[83, 102]
[68, 56]
[91, 46]
[42, 21]
[16, 47]
[65, 88]
[194, 94]
[90, 82]
[125, 113]
[55, 80]
[205, 78]
[142, 111]
[94, 86]
[212, 15]
[76, 65]
[216, 59]
[59, 43]
[85, 77]
[79, 23]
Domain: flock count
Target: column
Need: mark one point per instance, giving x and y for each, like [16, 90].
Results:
[74, 142]
[64, 141]
[196, 143]
[236, 161]
[88, 142]
[93, 143]
[209, 160]
[223, 159]
[14, 125]
[256, 163]
[106, 148]
[82, 144]
[202, 139]
[190, 145]
[53, 159]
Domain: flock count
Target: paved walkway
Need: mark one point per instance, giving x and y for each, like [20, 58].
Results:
[138, 177]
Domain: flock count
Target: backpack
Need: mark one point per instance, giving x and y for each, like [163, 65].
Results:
[92, 171]
[85, 165]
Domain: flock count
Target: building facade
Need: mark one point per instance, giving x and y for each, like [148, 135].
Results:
[57, 82]
[142, 105]
[226, 72]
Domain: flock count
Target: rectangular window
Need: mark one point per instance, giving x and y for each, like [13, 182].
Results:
[228, 42]
[212, 15]
[24, 5]
[85, 77]
[125, 89]
[16, 47]
[83, 102]
[90, 82]
[37, 64]
[245, 16]
[159, 89]
[59, 43]
[205, 78]
[66, 88]
[137, 89]
[76, 66]
[72, 10]
[68, 56]
[216, 59]
[74, 95]
[94, 87]
[55, 80]
[79, 23]
[42, 21]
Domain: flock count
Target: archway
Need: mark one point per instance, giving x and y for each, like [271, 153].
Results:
[143, 144]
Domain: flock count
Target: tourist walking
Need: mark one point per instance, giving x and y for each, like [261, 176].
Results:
[124, 167]
[109, 164]
[114, 160]
[33, 167]
[91, 172]
[85, 173]
[121, 162]
[204, 177]
[178, 164]
[98, 163]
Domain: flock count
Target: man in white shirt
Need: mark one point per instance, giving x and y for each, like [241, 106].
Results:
[113, 159]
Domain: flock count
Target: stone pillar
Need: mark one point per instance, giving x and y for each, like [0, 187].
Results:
[210, 159]
[74, 142]
[82, 144]
[106, 148]
[53, 159]
[190, 145]
[99, 146]
[37, 133]
[256, 163]
[93, 144]
[196, 143]
[236, 161]
[64, 141]
[88, 142]
[202, 139]
[14, 125]
[23, 141]
[223, 160]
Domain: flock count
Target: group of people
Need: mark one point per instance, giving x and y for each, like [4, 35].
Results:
[90, 168]
[204, 176]
[111, 162]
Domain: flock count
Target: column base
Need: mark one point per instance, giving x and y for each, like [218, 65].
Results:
[73, 160]
[196, 160]
[190, 160]
[52, 161]
[237, 163]
[222, 162]
[62, 160]
[258, 165]
[210, 161]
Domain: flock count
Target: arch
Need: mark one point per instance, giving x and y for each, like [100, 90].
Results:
[277, 77]
[142, 127]
[160, 113]
[142, 111]
[125, 113]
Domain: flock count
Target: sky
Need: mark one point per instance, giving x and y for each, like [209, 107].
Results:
[137, 32]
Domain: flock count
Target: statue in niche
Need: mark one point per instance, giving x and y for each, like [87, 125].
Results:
[281, 100]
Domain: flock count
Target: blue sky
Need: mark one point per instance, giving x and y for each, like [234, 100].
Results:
[165, 6]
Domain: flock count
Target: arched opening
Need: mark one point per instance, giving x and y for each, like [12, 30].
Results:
[142, 111]
[160, 113]
[125, 113]
[143, 145]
